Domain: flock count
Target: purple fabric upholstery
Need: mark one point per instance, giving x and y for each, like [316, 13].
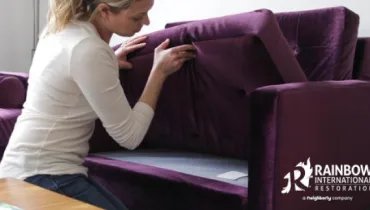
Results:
[20, 75]
[2, 150]
[202, 108]
[362, 60]
[8, 117]
[145, 187]
[327, 122]
[193, 164]
[100, 141]
[205, 107]
[12, 96]
[174, 24]
[323, 40]
[12, 92]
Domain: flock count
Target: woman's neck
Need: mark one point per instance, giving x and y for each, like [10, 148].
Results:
[104, 34]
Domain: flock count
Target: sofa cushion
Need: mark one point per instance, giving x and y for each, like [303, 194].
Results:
[323, 40]
[205, 107]
[134, 177]
[12, 92]
[8, 118]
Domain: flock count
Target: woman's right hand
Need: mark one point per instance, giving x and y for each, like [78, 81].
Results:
[168, 61]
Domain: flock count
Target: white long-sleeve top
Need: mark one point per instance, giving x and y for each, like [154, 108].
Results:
[73, 80]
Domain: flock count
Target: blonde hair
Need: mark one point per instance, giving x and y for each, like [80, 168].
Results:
[61, 12]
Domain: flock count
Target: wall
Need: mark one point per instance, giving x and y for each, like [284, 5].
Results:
[44, 6]
[16, 35]
[165, 11]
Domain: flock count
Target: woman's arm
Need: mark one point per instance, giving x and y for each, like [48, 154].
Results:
[95, 71]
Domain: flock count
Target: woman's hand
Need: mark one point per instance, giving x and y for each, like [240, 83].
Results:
[168, 61]
[127, 48]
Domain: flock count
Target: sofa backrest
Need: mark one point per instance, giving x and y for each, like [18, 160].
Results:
[323, 40]
[205, 106]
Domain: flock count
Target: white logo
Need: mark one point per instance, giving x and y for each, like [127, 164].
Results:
[346, 178]
[300, 179]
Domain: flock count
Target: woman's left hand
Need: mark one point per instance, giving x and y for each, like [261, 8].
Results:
[127, 48]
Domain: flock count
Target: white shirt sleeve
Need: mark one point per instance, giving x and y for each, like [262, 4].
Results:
[95, 70]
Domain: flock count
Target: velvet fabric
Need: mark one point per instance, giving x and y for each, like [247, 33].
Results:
[324, 121]
[245, 96]
[144, 187]
[12, 92]
[22, 76]
[205, 107]
[323, 40]
[194, 164]
[8, 117]
[12, 96]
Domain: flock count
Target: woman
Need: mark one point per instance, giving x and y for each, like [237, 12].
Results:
[73, 81]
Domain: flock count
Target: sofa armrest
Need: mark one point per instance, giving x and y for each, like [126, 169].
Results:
[20, 75]
[13, 89]
[12, 92]
[316, 123]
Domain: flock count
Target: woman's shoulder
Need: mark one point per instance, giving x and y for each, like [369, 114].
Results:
[78, 40]
[73, 34]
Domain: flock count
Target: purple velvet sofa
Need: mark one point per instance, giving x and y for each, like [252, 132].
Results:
[13, 87]
[202, 124]
[266, 92]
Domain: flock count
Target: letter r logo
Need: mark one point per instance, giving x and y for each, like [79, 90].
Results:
[300, 178]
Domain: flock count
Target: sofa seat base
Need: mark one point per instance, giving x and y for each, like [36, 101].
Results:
[160, 179]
